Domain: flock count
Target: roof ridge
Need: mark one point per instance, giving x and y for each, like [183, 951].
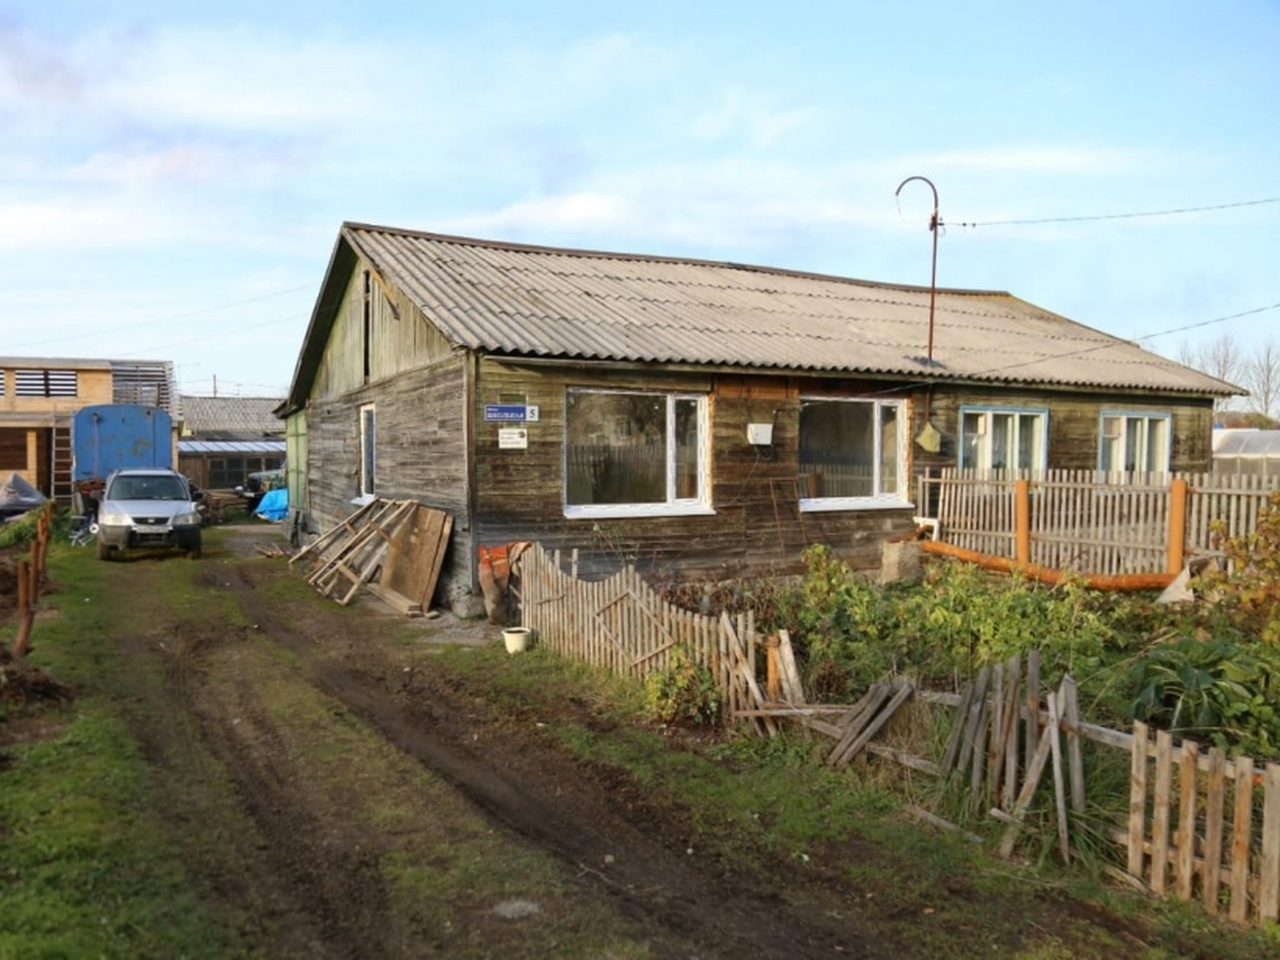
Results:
[659, 258]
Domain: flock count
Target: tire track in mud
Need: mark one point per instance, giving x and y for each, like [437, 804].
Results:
[303, 885]
[653, 885]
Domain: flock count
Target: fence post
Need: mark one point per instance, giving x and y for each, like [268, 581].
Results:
[1022, 501]
[1177, 525]
[26, 610]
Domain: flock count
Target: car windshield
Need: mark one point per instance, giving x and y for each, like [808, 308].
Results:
[147, 488]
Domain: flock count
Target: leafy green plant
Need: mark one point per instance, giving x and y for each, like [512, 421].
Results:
[1248, 591]
[684, 692]
[1220, 690]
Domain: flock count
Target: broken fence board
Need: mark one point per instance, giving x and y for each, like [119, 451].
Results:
[904, 691]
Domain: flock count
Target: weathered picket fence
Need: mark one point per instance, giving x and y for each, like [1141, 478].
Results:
[1178, 829]
[1093, 522]
[1008, 735]
[622, 625]
[1198, 826]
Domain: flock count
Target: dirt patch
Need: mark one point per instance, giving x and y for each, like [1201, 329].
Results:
[248, 707]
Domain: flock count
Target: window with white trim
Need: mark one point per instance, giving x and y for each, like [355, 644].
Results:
[1134, 442]
[368, 450]
[635, 454]
[1002, 438]
[852, 454]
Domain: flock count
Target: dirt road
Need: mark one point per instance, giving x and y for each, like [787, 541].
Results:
[300, 867]
[338, 792]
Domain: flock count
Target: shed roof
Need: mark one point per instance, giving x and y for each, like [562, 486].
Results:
[232, 447]
[528, 301]
[230, 418]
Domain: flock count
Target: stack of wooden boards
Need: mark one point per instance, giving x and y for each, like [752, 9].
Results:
[393, 548]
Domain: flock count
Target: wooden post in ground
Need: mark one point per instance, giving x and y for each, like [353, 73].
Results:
[1138, 800]
[1022, 507]
[26, 612]
[1177, 526]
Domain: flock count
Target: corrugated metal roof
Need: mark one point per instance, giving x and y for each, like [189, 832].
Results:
[520, 300]
[267, 447]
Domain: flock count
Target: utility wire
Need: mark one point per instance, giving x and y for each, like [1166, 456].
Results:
[180, 316]
[1119, 216]
[898, 388]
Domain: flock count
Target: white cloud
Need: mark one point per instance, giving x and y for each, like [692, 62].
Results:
[32, 69]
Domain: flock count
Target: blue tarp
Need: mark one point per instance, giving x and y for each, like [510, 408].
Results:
[274, 505]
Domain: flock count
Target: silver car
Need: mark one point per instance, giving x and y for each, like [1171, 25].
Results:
[147, 508]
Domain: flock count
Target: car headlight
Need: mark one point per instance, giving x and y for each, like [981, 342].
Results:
[113, 517]
[187, 520]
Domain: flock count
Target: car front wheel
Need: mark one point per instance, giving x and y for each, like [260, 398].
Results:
[105, 552]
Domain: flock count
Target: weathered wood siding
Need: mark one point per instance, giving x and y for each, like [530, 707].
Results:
[757, 527]
[1074, 424]
[419, 453]
[417, 385]
[399, 339]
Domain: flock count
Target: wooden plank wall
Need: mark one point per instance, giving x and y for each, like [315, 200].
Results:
[621, 625]
[757, 528]
[1094, 522]
[420, 452]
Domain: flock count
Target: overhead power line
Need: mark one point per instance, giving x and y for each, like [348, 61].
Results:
[1119, 216]
[116, 328]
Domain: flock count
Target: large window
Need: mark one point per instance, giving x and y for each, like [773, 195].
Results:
[994, 438]
[635, 454]
[852, 454]
[1134, 442]
[368, 457]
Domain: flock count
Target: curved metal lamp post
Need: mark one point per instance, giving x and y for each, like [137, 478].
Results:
[934, 223]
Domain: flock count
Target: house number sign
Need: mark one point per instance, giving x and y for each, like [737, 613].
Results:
[510, 412]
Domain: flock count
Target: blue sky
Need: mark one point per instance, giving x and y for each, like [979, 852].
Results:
[172, 181]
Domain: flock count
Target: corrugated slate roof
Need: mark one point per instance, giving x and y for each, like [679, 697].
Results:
[520, 300]
[230, 418]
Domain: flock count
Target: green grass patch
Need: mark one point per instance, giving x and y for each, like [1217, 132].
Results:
[86, 872]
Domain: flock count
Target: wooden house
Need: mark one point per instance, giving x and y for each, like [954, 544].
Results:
[39, 396]
[225, 439]
[703, 420]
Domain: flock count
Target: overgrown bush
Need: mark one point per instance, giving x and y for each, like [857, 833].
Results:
[1220, 690]
[853, 631]
[685, 693]
[1248, 591]
[20, 532]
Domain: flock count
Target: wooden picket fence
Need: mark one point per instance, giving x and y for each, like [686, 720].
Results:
[1177, 836]
[1094, 522]
[623, 626]
[1009, 738]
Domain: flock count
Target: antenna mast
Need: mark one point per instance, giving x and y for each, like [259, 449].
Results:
[934, 222]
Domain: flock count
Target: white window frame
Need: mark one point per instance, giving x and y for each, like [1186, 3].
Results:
[877, 501]
[988, 414]
[673, 506]
[1144, 418]
[368, 471]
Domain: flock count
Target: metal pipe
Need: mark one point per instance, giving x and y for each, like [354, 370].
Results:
[934, 223]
